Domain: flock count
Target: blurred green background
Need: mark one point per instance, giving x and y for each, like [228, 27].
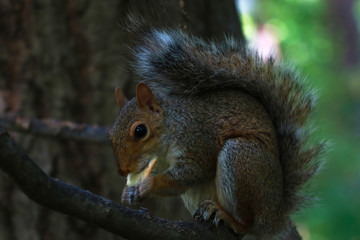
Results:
[321, 38]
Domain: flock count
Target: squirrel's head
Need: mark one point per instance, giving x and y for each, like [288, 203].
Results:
[135, 136]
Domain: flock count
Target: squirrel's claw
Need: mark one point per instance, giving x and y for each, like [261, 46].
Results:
[208, 211]
[212, 212]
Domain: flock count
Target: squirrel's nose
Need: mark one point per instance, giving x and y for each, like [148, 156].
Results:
[122, 171]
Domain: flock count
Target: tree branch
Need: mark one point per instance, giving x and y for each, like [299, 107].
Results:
[94, 209]
[55, 128]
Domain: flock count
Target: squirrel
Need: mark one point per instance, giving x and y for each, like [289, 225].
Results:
[226, 128]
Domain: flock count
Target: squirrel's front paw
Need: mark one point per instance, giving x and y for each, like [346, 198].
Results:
[145, 187]
[135, 194]
[130, 195]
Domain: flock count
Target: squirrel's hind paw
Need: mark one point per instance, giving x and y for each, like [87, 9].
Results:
[212, 212]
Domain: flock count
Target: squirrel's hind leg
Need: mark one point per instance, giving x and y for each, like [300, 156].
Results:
[244, 184]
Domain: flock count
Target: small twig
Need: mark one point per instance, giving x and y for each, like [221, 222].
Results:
[56, 129]
[102, 212]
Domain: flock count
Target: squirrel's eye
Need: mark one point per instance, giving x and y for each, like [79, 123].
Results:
[140, 131]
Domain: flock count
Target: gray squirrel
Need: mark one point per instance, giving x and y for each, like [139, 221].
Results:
[220, 127]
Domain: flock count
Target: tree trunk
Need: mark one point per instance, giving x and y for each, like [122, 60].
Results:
[63, 59]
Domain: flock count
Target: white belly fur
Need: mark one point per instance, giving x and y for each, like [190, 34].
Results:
[197, 194]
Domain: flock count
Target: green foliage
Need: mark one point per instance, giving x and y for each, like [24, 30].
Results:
[309, 39]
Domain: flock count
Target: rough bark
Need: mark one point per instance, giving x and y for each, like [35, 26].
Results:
[62, 60]
[55, 129]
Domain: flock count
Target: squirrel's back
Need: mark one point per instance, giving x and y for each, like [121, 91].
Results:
[214, 117]
[173, 63]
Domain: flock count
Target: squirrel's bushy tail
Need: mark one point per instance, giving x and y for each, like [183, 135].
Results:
[172, 62]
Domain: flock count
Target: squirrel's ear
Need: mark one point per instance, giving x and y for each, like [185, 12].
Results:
[145, 97]
[120, 98]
